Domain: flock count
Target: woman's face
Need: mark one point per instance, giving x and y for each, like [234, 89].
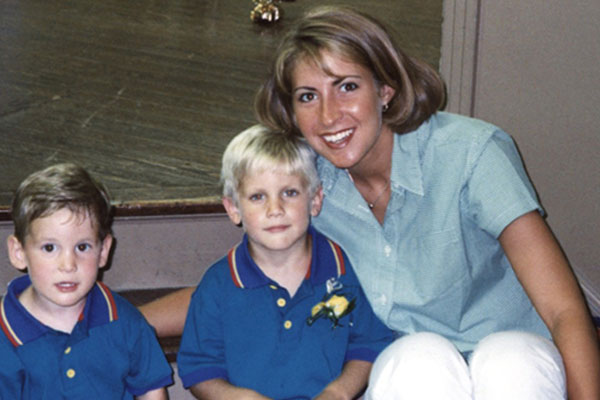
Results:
[340, 112]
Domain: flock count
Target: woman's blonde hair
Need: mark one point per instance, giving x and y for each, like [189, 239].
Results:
[359, 38]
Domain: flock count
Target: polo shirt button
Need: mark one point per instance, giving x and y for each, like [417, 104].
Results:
[273, 287]
[68, 350]
[287, 324]
[70, 373]
[281, 302]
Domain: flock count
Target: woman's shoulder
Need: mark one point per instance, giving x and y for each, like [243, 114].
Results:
[453, 136]
[446, 127]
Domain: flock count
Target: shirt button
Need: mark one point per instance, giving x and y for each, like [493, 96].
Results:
[281, 302]
[68, 350]
[287, 324]
[273, 287]
[70, 373]
[387, 250]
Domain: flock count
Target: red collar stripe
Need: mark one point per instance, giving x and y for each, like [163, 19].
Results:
[10, 334]
[110, 302]
[339, 259]
[233, 268]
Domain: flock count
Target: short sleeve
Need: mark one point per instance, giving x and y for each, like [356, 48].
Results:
[498, 189]
[201, 354]
[149, 368]
[12, 373]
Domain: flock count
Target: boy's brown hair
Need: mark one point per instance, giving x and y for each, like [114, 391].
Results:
[61, 186]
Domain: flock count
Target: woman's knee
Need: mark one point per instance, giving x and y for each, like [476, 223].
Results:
[424, 364]
[517, 365]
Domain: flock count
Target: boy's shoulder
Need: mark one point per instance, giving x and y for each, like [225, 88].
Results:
[108, 306]
[332, 257]
[236, 269]
[115, 315]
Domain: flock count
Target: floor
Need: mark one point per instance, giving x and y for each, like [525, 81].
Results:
[146, 94]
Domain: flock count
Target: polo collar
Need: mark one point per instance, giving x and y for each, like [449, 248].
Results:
[20, 327]
[326, 261]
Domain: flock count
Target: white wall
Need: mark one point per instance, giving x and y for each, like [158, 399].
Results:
[531, 67]
[154, 251]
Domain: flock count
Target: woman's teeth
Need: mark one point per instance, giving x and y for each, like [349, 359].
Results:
[338, 136]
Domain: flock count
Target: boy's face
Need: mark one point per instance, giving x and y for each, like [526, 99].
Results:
[275, 209]
[62, 253]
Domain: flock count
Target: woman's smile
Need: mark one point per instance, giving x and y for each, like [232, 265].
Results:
[338, 108]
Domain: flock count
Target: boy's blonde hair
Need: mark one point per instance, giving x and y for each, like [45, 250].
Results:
[259, 148]
[56, 187]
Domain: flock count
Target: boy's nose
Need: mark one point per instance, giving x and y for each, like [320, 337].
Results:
[274, 207]
[68, 263]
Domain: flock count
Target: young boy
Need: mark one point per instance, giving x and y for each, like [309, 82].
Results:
[65, 335]
[282, 315]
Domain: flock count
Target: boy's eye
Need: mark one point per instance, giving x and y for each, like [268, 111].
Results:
[83, 247]
[291, 193]
[48, 247]
[256, 197]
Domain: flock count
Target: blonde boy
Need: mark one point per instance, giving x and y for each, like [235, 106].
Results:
[66, 335]
[282, 315]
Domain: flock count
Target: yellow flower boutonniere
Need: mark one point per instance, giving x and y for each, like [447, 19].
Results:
[333, 306]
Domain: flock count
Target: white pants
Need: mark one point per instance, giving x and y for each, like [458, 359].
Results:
[503, 366]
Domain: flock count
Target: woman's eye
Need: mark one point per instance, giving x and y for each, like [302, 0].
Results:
[349, 86]
[48, 248]
[306, 97]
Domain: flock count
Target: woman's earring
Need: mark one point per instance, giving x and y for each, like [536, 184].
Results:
[385, 107]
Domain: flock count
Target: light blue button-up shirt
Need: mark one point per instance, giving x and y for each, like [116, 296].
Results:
[436, 264]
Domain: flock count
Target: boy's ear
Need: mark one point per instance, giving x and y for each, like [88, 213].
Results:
[317, 202]
[16, 253]
[232, 210]
[105, 250]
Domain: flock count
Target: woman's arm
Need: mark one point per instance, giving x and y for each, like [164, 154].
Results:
[221, 389]
[351, 382]
[156, 394]
[544, 272]
[167, 314]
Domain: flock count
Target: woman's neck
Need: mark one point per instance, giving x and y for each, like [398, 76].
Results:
[372, 175]
[376, 165]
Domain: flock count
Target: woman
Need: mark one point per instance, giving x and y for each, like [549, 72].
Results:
[438, 217]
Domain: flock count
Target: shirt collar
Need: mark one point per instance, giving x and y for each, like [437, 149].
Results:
[327, 261]
[406, 162]
[20, 327]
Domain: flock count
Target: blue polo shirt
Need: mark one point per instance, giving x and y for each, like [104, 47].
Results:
[436, 264]
[245, 328]
[112, 353]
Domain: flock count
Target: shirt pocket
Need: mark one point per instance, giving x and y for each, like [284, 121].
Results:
[439, 262]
